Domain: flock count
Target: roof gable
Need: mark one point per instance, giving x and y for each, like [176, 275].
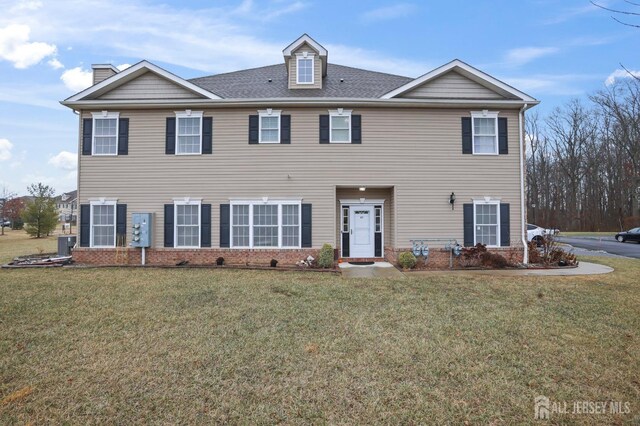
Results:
[469, 74]
[304, 38]
[150, 86]
[168, 82]
[452, 85]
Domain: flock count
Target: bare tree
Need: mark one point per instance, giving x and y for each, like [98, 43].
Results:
[5, 197]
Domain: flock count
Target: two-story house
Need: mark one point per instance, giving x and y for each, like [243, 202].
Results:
[273, 162]
[67, 205]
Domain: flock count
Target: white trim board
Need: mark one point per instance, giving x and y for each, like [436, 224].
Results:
[468, 71]
[304, 38]
[135, 71]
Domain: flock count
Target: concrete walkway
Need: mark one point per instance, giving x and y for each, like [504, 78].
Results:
[377, 270]
[584, 268]
[387, 270]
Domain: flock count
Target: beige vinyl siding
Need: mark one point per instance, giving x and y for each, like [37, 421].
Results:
[417, 151]
[100, 74]
[317, 69]
[149, 86]
[452, 85]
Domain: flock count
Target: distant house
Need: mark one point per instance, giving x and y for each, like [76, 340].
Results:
[67, 205]
[273, 162]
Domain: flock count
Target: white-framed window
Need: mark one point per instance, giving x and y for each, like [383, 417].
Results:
[103, 223]
[378, 219]
[485, 132]
[266, 224]
[345, 219]
[486, 221]
[105, 133]
[269, 126]
[305, 65]
[340, 126]
[186, 223]
[188, 132]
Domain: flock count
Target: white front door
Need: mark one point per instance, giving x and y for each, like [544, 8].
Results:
[361, 240]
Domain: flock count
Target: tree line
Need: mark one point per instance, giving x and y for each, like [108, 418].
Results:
[583, 162]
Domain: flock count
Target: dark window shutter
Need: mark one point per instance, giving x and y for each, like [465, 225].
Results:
[356, 129]
[87, 135]
[254, 129]
[121, 224]
[505, 229]
[225, 224]
[285, 129]
[306, 225]
[170, 147]
[205, 225]
[467, 136]
[123, 136]
[467, 210]
[324, 128]
[207, 135]
[503, 142]
[85, 225]
[168, 225]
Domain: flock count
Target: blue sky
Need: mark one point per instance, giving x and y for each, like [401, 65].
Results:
[552, 49]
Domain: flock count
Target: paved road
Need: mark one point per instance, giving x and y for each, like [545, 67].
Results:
[608, 244]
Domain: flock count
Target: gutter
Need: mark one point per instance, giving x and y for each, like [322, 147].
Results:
[525, 258]
[312, 102]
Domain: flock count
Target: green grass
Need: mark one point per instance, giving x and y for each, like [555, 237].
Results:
[588, 234]
[18, 243]
[124, 346]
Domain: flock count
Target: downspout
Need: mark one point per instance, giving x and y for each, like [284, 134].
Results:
[525, 258]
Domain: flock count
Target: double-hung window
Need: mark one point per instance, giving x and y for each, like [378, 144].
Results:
[269, 126]
[189, 132]
[272, 224]
[340, 126]
[487, 223]
[305, 69]
[105, 133]
[103, 224]
[187, 224]
[485, 132]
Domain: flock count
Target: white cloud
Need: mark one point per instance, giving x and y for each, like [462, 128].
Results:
[386, 13]
[55, 63]
[523, 55]
[27, 5]
[5, 149]
[16, 48]
[551, 84]
[370, 60]
[65, 160]
[77, 79]
[618, 74]
[123, 67]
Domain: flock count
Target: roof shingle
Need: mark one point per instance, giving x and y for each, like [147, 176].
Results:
[340, 82]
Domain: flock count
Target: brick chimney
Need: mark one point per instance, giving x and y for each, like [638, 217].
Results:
[102, 72]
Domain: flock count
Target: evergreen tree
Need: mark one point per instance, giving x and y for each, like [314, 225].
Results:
[40, 215]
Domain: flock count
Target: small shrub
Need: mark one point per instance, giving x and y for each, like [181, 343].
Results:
[493, 260]
[470, 257]
[325, 258]
[534, 254]
[407, 260]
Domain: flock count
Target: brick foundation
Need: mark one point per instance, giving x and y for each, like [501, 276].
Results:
[439, 257]
[204, 256]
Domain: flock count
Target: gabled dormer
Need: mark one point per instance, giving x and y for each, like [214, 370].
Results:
[306, 62]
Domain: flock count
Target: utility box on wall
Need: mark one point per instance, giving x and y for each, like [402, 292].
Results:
[141, 230]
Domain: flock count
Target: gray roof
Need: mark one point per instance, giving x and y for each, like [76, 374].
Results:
[254, 83]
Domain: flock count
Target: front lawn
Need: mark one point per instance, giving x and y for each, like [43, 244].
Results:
[19, 243]
[197, 346]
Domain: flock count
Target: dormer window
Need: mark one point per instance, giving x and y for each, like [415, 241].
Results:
[305, 69]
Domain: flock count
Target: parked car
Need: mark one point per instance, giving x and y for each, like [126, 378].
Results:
[535, 233]
[5, 223]
[630, 235]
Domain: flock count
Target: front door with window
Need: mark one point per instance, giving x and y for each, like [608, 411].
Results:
[362, 221]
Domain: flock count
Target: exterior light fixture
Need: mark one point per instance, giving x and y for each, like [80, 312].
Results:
[362, 189]
[452, 199]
